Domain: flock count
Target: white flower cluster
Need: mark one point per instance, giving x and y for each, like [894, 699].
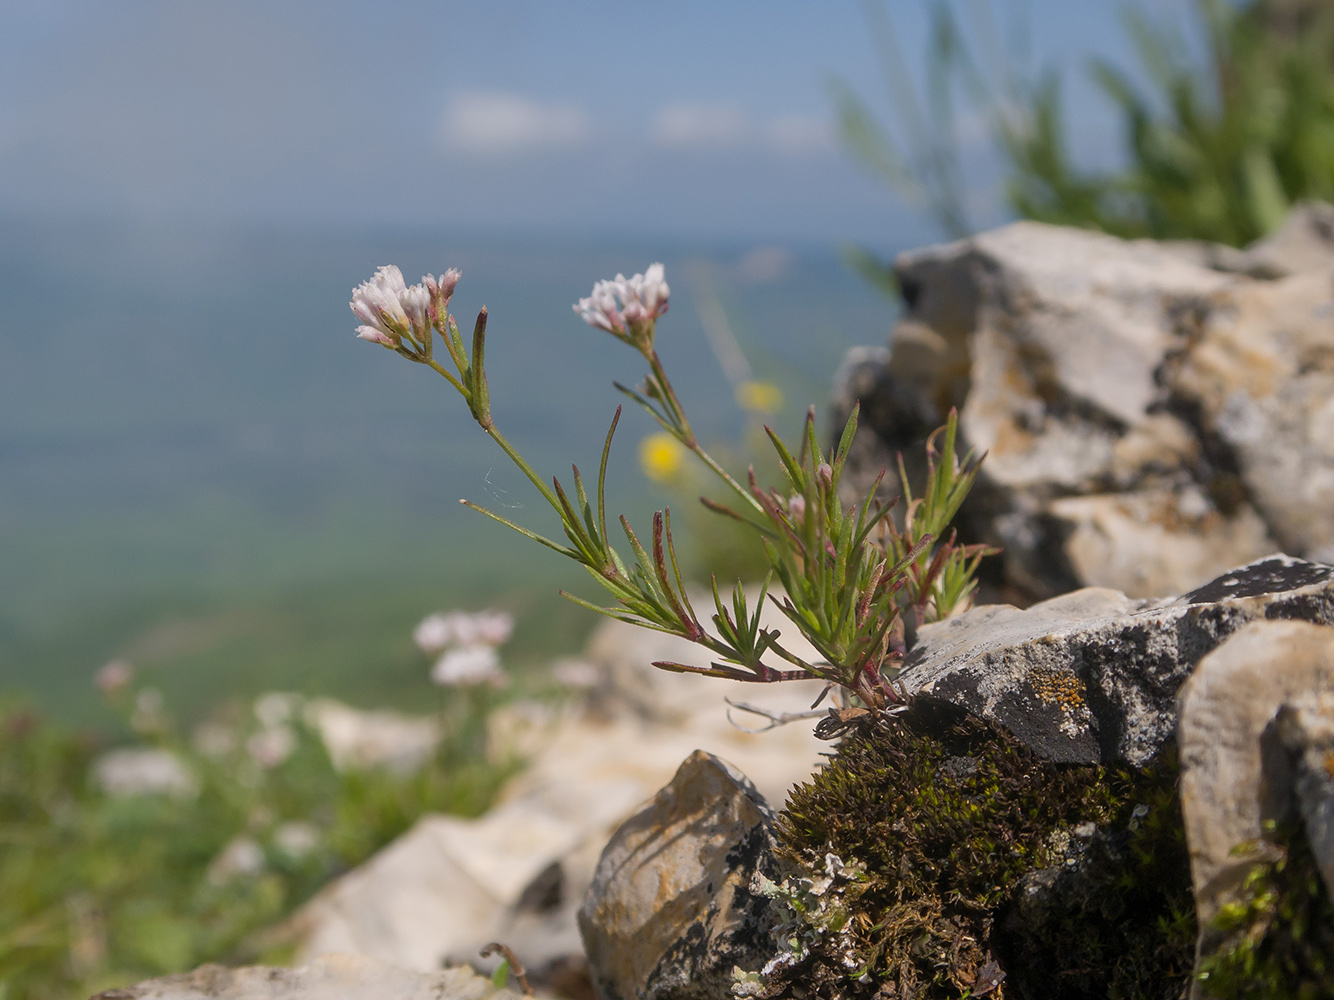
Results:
[390, 309]
[468, 643]
[625, 306]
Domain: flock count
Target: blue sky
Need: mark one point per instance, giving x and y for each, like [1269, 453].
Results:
[695, 119]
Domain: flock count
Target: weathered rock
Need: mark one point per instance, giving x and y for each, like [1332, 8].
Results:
[1152, 413]
[517, 874]
[670, 912]
[1232, 778]
[1306, 729]
[358, 738]
[1093, 675]
[333, 977]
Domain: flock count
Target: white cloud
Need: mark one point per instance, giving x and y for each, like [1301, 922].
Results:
[494, 123]
[700, 125]
[799, 134]
[724, 126]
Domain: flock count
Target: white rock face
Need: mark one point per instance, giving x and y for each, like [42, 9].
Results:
[1152, 413]
[358, 738]
[1234, 694]
[517, 874]
[333, 977]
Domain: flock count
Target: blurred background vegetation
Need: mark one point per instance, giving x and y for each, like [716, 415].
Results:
[1228, 122]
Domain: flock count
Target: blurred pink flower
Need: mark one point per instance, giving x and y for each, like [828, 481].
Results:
[438, 631]
[114, 677]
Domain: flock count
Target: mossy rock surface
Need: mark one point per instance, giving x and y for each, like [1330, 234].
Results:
[990, 871]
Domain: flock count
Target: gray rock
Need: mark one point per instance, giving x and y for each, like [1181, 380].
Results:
[333, 977]
[1306, 728]
[1094, 675]
[670, 912]
[1152, 413]
[1235, 772]
[1230, 785]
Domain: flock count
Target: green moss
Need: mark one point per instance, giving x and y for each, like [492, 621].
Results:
[956, 822]
[1276, 941]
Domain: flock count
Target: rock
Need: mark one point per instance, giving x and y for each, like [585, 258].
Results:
[358, 739]
[1306, 729]
[670, 912]
[144, 771]
[333, 977]
[1232, 781]
[1152, 413]
[1093, 675]
[450, 885]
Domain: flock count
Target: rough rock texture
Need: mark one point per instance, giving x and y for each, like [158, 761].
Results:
[670, 912]
[517, 874]
[333, 977]
[1093, 675]
[1153, 413]
[1306, 729]
[1232, 778]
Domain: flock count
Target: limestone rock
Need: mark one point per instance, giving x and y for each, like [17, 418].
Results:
[1306, 728]
[1093, 675]
[670, 912]
[333, 977]
[357, 739]
[1152, 413]
[1231, 781]
[518, 873]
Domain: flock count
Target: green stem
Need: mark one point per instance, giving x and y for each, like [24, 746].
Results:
[500, 439]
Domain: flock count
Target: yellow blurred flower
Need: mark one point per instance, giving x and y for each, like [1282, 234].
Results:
[661, 457]
[759, 397]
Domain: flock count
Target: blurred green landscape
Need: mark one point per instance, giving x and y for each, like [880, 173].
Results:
[203, 471]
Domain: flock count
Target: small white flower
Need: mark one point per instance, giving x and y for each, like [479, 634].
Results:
[437, 631]
[144, 771]
[625, 306]
[296, 839]
[276, 707]
[434, 633]
[114, 677]
[241, 857]
[271, 746]
[469, 665]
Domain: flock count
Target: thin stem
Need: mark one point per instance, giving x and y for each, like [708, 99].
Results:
[688, 435]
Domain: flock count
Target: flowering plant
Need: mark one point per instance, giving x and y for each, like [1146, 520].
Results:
[848, 574]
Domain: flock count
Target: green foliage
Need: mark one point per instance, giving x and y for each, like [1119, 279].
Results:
[99, 891]
[1218, 148]
[948, 815]
[1276, 940]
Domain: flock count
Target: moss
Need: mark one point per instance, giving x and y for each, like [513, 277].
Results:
[961, 829]
[1276, 940]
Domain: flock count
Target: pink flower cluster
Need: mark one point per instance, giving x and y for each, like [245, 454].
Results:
[390, 309]
[627, 307]
[467, 642]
